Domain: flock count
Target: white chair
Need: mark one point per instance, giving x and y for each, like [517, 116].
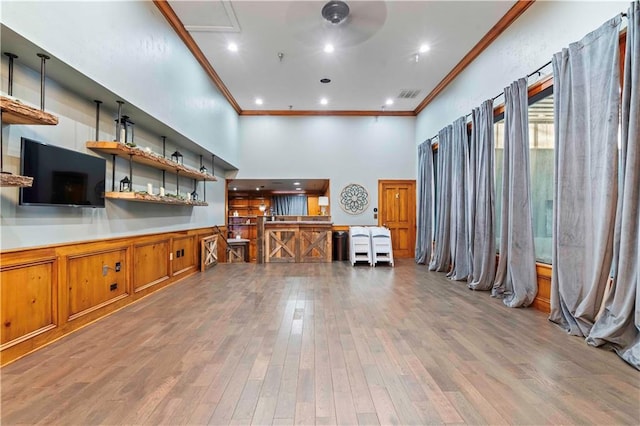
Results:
[381, 247]
[359, 245]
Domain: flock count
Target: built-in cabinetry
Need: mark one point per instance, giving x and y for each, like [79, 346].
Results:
[15, 112]
[51, 291]
[243, 210]
[140, 156]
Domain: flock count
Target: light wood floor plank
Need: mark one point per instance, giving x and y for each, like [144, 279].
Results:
[320, 344]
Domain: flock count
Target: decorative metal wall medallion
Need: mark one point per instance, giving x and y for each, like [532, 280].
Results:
[354, 199]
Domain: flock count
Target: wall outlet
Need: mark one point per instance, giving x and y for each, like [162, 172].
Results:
[118, 267]
[170, 256]
[113, 287]
[177, 254]
[105, 270]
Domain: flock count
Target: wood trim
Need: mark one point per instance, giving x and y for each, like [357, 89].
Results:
[542, 302]
[533, 90]
[509, 18]
[350, 113]
[170, 15]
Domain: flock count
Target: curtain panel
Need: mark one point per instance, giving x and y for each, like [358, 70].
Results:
[617, 325]
[424, 237]
[289, 205]
[586, 103]
[441, 258]
[460, 256]
[516, 279]
[481, 199]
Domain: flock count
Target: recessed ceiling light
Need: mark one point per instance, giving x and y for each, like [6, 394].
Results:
[328, 48]
[324, 101]
[235, 189]
[325, 80]
[389, 101]
[258, 101]
[298, 189]
[232, 47]
[257, 189]
[424, 48]
[296, 183]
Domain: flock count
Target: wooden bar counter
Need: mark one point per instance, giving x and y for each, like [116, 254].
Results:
[294, 239]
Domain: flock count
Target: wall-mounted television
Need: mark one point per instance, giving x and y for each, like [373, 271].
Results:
[61, 177]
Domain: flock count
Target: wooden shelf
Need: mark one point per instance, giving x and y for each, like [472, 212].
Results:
[15, 112]
[242, 224]
[143, 197]
[251, 216]
[15, 180]
[142, 157]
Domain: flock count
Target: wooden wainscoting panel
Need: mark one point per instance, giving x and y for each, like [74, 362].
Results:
[90, 288]
[542, 302]
[184, 254]
[28, 300]
[280, 245]
[315, 244]
[150, 264]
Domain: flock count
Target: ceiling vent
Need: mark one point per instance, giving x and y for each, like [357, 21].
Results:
[408, 93]
[335, 11]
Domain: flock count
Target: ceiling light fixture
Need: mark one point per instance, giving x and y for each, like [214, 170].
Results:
[324, 101]
[335, 11]
[232, 47]
[389, 101]
[325, 80]
[296, 183]
[258, 101]
[424, 48]
[328, 48]
[298, 189]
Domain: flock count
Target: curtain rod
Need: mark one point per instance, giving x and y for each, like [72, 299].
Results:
[537, 71]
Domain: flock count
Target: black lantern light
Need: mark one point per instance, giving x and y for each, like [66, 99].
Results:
[125, 184]
[177, 157]
[194, 195]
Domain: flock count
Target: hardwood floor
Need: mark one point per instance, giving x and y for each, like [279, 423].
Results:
[324, 344]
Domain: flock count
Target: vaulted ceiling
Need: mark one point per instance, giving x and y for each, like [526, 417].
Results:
[388, 57]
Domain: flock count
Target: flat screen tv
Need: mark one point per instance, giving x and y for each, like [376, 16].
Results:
[61, 177]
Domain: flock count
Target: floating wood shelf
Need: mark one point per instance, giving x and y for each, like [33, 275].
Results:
[15, 112]
[15, 180]
[143, 197]
[142, 157]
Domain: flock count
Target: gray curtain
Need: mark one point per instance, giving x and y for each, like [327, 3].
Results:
[481, 199]
[586, 102]
[618, 324]
[460, 256]
[441, 259]
[289, 205]
[424, 237]
[516, 278]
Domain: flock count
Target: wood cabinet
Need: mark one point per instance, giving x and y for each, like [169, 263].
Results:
[46, 293]
[243, 211]
[15, 112]
[140, 156]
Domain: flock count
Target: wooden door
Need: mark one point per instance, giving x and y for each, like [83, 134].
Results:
[397, 211]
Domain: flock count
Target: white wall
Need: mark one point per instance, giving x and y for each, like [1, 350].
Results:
[544, 29]
[129, 48]
[343, 149]
[67, 31]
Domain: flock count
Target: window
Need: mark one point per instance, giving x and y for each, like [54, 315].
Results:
[541, 155]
